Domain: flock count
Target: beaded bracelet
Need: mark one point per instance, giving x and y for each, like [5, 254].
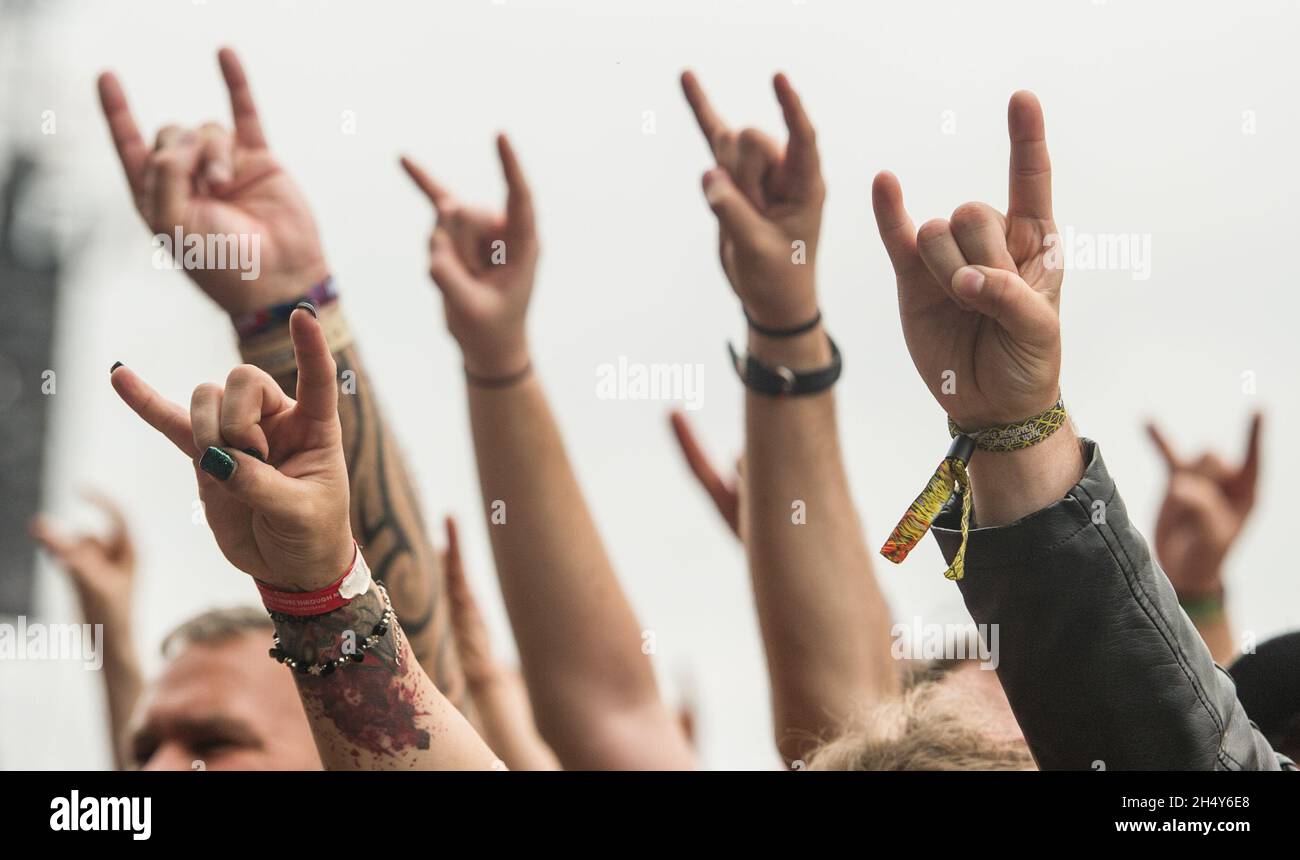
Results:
[381, 628]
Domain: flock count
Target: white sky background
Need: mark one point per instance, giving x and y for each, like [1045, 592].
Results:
[1145, 106]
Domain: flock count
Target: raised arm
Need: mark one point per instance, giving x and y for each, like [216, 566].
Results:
[274, 487]
[216, 183]
[824, 619]
[1100, 667]
[593, 690]
[102, 571]
[500, 699]
[1206, 504]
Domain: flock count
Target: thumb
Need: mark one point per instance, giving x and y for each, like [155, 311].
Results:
[1005, 297]
[735, 213]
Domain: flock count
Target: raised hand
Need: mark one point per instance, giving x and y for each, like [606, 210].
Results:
[102, 569]
[977, 293]
[270, 468]
[473, 643]
[484, 263]
[209, 181]
[725, 492]
[1204, 509]
[768, 200]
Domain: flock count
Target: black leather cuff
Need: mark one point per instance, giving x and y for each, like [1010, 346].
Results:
[780, 381]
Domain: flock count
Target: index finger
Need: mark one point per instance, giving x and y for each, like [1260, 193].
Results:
[723, 496]
[52, 540]
[801, 151]
[1166, 450]
[131, 148]
[116, 519]
[709, 121]
[1031, 168]
[437, 194]
[895, 225]
[248, 126]
[157, 411]
[519, 200]
[1250, 466]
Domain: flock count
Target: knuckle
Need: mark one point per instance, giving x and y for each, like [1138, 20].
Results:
[969, 216]
[931, 230]
[205, 393]
[243, 375]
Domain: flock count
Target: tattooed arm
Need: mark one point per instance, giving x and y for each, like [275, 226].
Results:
[387, 522]
[274, 487]
[216, 181]
[593, 690]
[382, 713]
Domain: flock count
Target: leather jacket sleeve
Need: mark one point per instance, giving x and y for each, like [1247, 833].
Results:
[1101, 666]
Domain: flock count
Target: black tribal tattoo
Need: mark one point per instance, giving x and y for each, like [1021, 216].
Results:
[387, 523]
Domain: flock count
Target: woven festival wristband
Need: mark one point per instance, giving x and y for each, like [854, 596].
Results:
[304, 604]
[272, 350]
[251, 324]
[1203, 608]
[951, 477]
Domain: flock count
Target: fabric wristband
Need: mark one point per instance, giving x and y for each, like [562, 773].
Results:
[257, 322]
[1013, 437]
[951, 477]
[1203, 608]
[273, 350]
[354, 583]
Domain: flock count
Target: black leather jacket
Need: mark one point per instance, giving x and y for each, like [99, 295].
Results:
[1101, 666]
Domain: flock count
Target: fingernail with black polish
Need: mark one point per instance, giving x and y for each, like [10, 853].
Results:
[115, 366]
[253, 452]
[218, 464]
[309, 307]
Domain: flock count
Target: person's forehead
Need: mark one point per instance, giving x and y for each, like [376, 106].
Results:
[231, 677]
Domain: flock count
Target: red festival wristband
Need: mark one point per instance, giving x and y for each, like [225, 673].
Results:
[353, 583]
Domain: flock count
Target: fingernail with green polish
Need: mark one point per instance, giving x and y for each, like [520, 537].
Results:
[218, 464]
[308, 307]
[255, 454]
[115, 366]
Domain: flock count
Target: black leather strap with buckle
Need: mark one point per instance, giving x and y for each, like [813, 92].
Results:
[781, 381]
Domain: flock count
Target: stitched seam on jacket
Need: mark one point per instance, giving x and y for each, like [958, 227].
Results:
[1158, 620]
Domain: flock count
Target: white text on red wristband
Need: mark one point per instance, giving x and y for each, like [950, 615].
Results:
[354, 583]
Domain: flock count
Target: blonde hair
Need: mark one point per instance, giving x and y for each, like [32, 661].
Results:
[919, 730]
[217, 625]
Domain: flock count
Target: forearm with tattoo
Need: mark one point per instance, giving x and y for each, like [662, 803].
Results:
[383, 712]
[387, 523]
